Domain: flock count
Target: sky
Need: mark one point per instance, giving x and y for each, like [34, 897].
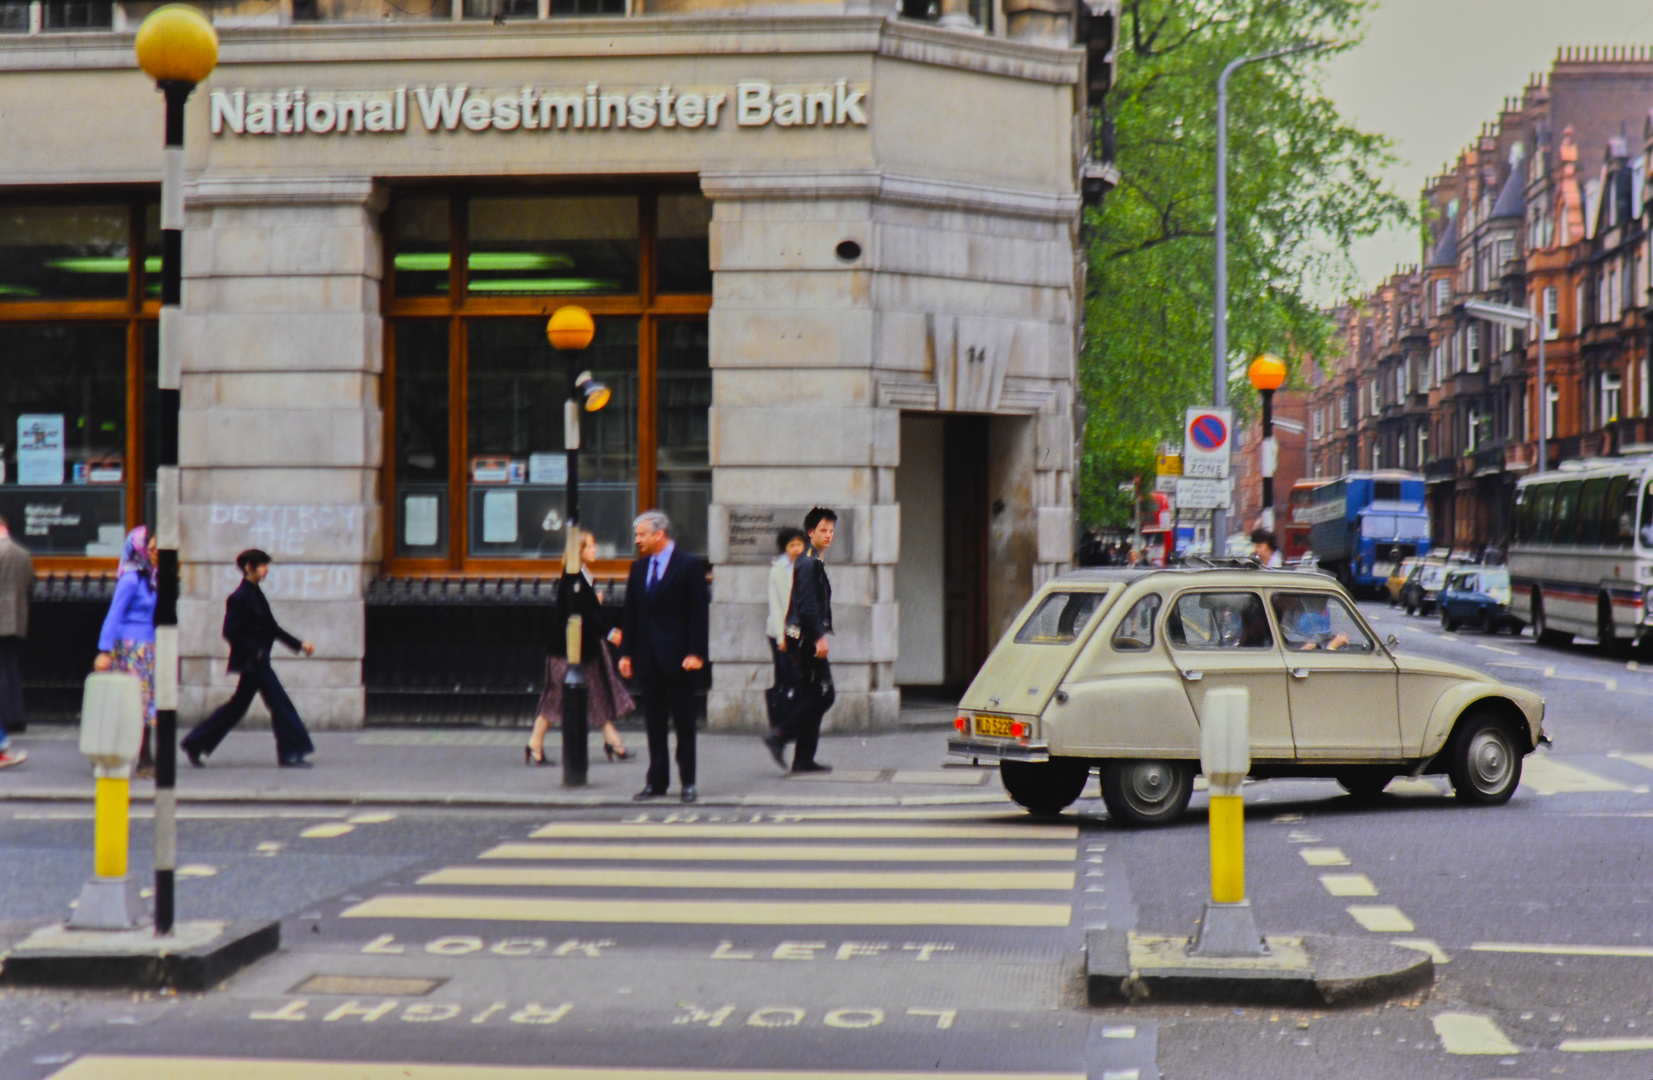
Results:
[1430, 72]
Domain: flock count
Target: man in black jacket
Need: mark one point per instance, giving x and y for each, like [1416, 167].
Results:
[662, 645]
[808, 630]
[251, 630]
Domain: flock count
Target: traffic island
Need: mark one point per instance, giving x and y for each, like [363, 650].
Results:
[1308, 969]
[195, 956]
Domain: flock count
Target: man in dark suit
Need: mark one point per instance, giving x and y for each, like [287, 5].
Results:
[808, 633]
[16, 587]
[251, 630]
[662, 645]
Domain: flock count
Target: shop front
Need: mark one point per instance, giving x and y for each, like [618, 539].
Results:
[831, 261]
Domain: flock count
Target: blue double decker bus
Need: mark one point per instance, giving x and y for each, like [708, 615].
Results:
[1363, 524]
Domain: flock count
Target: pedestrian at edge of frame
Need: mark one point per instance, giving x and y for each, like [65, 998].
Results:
[808, 643]
[16, 587]
[252, 631]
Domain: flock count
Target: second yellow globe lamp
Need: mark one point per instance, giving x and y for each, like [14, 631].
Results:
[177, 43]
[1267, 372]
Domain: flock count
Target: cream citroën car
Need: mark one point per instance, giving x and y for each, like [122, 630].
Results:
[1107, 670]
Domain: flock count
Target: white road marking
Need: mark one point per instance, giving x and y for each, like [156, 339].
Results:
[324, 832]
[1381, 918]
[1348, 884]
[1547, 776]
[1436, 953]
[1324, 856]
[1585, 1046]
[1498, 649]
[1641, 952]
[1469, 1033]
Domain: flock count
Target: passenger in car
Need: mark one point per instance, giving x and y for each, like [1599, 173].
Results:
[1306, 623]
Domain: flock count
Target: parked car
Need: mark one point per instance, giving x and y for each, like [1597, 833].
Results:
[1423, 587]
[1397, 578]
[1480, 597]
[1108, 670]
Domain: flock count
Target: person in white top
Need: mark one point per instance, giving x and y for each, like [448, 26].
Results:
[1267, 549]
[790, 542]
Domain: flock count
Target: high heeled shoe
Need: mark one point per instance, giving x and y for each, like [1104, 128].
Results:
[619, 752]
[528, 757]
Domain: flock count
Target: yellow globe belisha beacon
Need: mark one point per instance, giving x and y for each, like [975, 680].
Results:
[177, 43]
[1267, 372]
[570, 327]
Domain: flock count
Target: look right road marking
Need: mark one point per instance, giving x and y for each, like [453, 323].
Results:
[1468, 1033]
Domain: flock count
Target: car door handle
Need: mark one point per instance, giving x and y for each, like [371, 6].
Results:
[1193, 676]
[1299, 672]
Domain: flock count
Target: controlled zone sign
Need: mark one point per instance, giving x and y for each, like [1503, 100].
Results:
[1206, 437]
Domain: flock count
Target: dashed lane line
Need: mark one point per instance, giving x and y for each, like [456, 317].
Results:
[570, 830]
[1469, 1033]
[654, 878]
[782, 853]
[1499, 649]
[1324, 856]
[1348, 884]
[1381, 918]
[1635, 951]
[110, 1067]
[327, 832]
[711, 912]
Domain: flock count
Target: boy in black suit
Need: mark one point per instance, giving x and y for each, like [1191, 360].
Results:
[662, 645]
[251, 630]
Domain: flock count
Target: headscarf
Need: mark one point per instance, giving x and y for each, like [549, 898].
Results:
[135, 555]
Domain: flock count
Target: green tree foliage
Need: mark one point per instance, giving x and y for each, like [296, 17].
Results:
[1304, 184]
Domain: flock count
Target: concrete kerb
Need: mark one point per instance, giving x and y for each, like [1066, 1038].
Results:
[1306, 969]
[197, 956]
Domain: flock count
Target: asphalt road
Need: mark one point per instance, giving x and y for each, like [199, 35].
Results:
[850, 942]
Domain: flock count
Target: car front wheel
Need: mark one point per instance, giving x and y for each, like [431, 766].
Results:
[1147, 792]
[1045, 788]
[1448, 623]
[1485, 762]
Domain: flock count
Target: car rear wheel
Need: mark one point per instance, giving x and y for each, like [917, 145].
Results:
[1365, 784]
[1485, 761]
[1147, 792]
[1044, 787]
[1541, 631]
[1448, 623]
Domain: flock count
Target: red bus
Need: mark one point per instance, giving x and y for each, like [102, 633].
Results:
[1294, 538]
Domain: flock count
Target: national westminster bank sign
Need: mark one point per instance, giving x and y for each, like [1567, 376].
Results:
[747, 104]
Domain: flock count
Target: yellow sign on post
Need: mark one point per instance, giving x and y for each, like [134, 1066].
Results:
[1169, 465]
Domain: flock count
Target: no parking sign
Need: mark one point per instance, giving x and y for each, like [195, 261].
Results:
[1206, 435]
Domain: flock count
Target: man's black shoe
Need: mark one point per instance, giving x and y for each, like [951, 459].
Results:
[688, 794]
[295, 763]
[646, 794]
[813, 766]
[194, 758]
[777, 748]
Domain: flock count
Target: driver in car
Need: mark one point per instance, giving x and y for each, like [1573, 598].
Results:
[1306, 624]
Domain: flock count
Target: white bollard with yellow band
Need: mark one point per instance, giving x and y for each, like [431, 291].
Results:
[111, 731]
[1227, 927]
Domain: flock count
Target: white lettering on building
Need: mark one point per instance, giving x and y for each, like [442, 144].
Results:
[444, 108]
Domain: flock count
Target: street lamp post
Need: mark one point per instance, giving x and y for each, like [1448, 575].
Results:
[1268, 374]
[1219, 336]
[570, 331]
[178, 48]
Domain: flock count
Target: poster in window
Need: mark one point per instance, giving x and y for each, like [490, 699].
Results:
[499, 517]
[419, 524]
[548, 469]
[40, 449]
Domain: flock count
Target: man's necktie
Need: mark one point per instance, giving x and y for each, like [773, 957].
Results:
[654, 575]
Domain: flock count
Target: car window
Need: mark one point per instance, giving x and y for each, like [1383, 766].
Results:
[1060, 618]
[1219, 620]
[1311, 621]
[1495, 579]
[1136, 629]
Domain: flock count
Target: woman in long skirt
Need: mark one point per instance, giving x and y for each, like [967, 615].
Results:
[127, 642]
[606, 696]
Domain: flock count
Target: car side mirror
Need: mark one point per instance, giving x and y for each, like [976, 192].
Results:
[1392, 642]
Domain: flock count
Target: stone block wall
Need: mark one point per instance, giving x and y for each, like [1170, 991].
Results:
[280, 438]
[961, 300]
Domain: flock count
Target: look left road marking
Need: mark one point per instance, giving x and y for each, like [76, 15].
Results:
[99, 1067]
[1468, 1033]
[712, 912]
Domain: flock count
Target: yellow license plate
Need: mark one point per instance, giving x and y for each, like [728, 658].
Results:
[994, 725]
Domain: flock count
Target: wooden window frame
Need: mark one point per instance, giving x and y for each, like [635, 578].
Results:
[136, 314]
[648, 306]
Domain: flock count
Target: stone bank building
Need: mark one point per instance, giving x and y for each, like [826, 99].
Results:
[832, 250]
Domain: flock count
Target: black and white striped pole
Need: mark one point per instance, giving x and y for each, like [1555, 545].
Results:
[178, 48]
